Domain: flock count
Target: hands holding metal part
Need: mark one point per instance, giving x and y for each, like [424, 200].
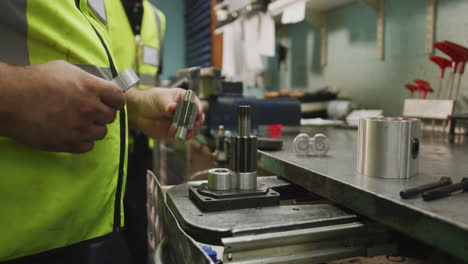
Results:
[55, 106]
[151, 111]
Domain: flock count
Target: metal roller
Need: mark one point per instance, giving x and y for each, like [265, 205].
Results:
[185, 115]
[388, 147]
[219, 179]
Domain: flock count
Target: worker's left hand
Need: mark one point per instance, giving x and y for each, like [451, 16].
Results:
[151, 111]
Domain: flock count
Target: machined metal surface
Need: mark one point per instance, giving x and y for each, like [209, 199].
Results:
[308, 245]
[126, 79]
[247, 180]
[299, 233]
[442, 223]
[388, 147]
[185, 115]
[219, 179]
[244, 121]
[210, 227]
[212, 201]
[244, 152]
[315, 146]
[179, 240]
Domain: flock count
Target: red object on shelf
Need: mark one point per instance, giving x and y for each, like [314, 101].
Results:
[412, 88]
[422, 82]
[461, 52]
[447, 49]
[442, 62]
[276, 131]
[423, 86]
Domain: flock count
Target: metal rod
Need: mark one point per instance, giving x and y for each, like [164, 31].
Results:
[445, 191]
[447, 87]
[450, 87]
[411, 192]
[441, 80]
[244, 121]
[457, 91]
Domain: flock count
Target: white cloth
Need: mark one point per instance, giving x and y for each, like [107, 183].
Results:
[267, 38]
[232, 52]
[294, 13]
[251, 47]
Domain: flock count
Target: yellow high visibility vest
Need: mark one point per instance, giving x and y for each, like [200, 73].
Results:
[50, 200]
[143, 52]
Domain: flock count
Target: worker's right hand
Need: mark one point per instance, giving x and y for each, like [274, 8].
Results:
[61, 108]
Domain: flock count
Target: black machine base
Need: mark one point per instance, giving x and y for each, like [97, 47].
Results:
[213, 201]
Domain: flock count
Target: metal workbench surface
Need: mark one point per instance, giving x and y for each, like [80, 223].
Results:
[441, 223]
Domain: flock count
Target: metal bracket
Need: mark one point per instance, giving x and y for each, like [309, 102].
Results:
[319, 19]
[430, 24]
[379, 7]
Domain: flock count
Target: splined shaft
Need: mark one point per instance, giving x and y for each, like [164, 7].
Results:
[244, 153]
[185, 115]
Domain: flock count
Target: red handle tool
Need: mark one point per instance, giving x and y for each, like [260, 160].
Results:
[442, 62]
[461, 52]
[411, 88]
[424, 87]
[456, 58]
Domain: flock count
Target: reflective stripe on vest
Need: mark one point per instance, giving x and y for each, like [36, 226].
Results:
[125, 80]
[99, 9]
[149, 56]
[50, 200]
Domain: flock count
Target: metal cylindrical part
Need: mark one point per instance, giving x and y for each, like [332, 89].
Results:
[304, 145]
[301, 144]
[388, 147]
[189, 96]
[244, 121]
[185, 115]
[234, 180]
[247, 180]
[181, 133]
[219, 179]
[244, 154]
[320, 145]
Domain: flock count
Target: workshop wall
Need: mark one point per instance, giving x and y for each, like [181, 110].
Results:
[174, 45]
[352, 63]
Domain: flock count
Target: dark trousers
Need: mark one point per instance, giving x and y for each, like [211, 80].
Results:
[111, 249]
[136, 219]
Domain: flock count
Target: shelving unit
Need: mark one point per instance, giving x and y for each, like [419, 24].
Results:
[316, 14]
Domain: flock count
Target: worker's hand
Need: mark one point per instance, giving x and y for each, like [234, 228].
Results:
[56, 106]
[151, 111]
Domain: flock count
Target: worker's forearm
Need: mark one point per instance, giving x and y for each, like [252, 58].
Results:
[11, 78]
[135, 101]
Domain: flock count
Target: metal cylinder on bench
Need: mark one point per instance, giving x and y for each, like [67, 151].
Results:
[244, 154]
[219, 179]
[388, 147]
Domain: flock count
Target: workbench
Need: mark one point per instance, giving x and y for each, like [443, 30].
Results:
[442, 223]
